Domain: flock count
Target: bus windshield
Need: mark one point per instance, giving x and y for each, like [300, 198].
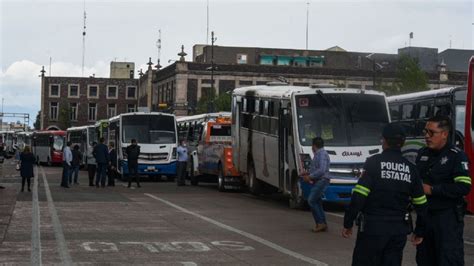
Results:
[58, 143]
[151, 129]
[341, 119]
[221, 130]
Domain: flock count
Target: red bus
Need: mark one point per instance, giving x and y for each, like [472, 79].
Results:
[469, 130]
[48, 146]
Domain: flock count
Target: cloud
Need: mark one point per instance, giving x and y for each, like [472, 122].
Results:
[20, 83]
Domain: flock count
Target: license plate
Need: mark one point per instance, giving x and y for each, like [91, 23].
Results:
[150, 168]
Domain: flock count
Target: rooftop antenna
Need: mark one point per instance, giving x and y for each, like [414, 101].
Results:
[50, 59]
[307, 23]
[207, 29]
[450, 41]
[158, 45]
[84, 39]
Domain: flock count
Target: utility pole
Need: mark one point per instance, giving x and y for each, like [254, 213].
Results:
[212, 92]
[307, 23]
[84, 39]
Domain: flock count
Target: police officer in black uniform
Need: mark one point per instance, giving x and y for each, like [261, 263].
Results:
[389, 183]
[444, 171]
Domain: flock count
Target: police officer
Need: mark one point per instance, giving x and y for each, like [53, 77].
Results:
[380, 199]
[444, 171]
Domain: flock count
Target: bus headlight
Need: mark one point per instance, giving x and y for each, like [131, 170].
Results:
[173, 155]
[305, 161]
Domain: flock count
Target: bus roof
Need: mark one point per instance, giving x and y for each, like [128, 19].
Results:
[285, 91]
[425, 94]
[203, 117]
[53, 132]
[79, 128]
[138, 113]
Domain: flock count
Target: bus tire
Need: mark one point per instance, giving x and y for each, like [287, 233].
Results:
[255, 185]
[295, 201]
[221, 180]
[192, 177]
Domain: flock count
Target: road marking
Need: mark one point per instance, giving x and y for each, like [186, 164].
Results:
[335, 214]
[243, 233]
[468, 242]
[188, 263]
[58, 229]
[35, 225]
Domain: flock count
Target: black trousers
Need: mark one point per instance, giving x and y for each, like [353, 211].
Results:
[378, 250]
[181, 173]
[133, 173]
[91, 168]
[443, 242]
[111, 176]
[28, 180]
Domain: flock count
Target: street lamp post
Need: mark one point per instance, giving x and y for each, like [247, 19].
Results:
[210, 105]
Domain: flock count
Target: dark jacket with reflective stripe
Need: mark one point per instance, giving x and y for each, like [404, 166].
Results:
[447, 171]
[387, 186]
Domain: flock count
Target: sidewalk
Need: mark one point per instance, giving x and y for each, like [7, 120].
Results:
[8, 195]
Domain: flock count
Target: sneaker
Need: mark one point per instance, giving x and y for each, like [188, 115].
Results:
[320, 228]
[76, 183]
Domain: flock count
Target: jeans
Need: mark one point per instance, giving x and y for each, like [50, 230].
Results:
[133, 172]
[65, 177]
[74, 170]
[91, 168]
[101, 174]
[315, 200]
[181, 173]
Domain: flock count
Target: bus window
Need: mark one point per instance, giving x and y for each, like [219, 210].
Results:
[444, 109]
[395, 112]
[425, 110]
[408, 111]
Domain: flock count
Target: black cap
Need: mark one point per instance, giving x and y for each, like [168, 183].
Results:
[393, 131]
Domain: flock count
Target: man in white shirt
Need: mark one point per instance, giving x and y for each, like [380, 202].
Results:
[67, 160]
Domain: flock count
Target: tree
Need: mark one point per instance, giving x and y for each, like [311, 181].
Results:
[37, 124]
[410, 76]
[64, 117]
[223, 102]
[209, 103]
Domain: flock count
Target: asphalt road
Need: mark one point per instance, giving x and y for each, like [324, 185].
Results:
[162, 224]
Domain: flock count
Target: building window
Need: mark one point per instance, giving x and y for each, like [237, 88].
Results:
[53, 111]
[241, 59]
[111, 110]
[131, 108]
[266, 59]
[73, 91]
[92, 111]
[131, 92]
[245, 82]
[54, 90]
[93, 91]
[112, 92]
[73, 111]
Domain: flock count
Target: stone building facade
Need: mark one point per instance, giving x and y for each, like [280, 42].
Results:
[85, 100]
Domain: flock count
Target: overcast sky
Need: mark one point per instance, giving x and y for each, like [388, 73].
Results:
[33, 31]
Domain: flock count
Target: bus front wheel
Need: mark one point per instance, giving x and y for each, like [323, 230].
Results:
[296, 201]
[221, 180]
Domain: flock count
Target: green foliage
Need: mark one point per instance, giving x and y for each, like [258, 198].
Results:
[209, 102]
[64, 117]
[410, 76]
[37, 124]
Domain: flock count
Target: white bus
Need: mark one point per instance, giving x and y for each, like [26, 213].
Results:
[156, 135]
[23, 139]
[8, 141]
[273, 127]
[412, 110]
[83, 136]
[48, 146]
[190, 128]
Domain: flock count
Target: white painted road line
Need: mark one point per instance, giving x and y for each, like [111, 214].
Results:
[335, 214]
[243, 233]
[35, 225]
[58, 230]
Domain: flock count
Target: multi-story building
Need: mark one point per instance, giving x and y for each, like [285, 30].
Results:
[78, 101]
[181, 84]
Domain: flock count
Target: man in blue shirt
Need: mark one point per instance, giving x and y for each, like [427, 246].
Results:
[319, 176]
[182, 162]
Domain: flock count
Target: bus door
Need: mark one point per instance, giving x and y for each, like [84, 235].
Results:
[283, 132]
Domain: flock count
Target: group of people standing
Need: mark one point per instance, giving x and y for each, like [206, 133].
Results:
[435, 187]
[101, 164]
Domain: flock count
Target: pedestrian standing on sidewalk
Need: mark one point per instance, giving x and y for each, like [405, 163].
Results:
[101, 154]
[112, 170]
[67, 161]
[182, 162]
[76, 163]
[27, 160]
[133, 152]
[91, 164]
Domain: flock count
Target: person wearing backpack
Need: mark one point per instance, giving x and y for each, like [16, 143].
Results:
[133, 151]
